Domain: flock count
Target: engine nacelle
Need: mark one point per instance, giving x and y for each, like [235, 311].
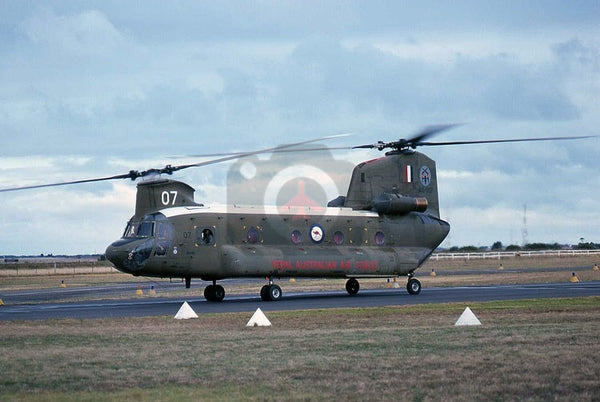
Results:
[396, 204]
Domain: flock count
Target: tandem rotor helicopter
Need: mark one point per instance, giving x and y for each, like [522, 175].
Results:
[387, 225]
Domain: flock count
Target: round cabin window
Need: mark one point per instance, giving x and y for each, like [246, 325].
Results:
[252, 236]
[296, 237]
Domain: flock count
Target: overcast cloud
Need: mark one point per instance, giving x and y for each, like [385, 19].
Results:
[98, 88]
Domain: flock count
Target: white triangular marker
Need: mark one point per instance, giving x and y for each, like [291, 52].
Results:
[467, 318]
[258, 319]
[185, 312]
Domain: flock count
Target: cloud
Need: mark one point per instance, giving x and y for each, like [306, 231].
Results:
[98, 88]
[324, 78]
[88, 32]
[59, 220]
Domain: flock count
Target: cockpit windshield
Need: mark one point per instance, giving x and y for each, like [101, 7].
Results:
[144, 228]
[130, 230]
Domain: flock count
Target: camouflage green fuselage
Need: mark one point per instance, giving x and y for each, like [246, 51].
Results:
[230, 241]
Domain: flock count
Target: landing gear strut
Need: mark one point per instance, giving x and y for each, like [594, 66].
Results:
[188, 282]
[413, 286]
[270, 292]
[214, 292]
[352, 286]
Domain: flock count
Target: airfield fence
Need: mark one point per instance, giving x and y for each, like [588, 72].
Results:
[82, 267]
[497, 255]
[34, 268]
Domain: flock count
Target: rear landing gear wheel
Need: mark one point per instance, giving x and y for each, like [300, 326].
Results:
[274, 292]
[270, 293]
[413, 286]
[352, 286]
[219, 293]
[264, 293]
[214, 293]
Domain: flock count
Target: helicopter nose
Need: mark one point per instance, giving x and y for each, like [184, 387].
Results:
[130, 256]
[117, 255]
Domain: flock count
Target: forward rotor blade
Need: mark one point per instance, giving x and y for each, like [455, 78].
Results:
[430, 144]
[130, 175]
[168, 169]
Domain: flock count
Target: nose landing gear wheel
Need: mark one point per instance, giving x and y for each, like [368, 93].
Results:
[413, 286]
[352, 286]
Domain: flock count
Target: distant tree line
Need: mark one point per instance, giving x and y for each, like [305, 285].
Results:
[498, 246]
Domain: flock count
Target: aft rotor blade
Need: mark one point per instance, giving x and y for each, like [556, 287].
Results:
[237, 155]
[280, 148]
[277, 151]
[412, 142]
[505, 140]
[430, 131]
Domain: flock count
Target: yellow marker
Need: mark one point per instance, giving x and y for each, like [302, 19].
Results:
[501, 267]
[574, 278]
[433, 272]
[292, 280]
[596, 267]
[139, 291]
[1, 302]
[62, 284]
[152, 292]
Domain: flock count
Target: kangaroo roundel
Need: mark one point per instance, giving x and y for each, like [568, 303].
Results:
[316, 233]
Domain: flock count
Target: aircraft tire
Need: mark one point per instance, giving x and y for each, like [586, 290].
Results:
[274, 292]
[218, 293]
[352, 286]
[413, 286]
[264, 293]
[214, 293]
[208, 293]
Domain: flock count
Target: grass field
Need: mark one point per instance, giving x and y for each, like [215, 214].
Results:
[525, 350]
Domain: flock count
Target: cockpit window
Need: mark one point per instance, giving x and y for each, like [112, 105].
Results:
[147, 227]
[130, 230]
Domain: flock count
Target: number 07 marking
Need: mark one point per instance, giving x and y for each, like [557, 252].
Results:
[168, 197]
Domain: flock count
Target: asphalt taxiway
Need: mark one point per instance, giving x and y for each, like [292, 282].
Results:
[18, 309]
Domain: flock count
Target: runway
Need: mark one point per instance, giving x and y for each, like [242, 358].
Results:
[141, 307]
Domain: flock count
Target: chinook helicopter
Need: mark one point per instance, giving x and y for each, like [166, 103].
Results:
[387, 224]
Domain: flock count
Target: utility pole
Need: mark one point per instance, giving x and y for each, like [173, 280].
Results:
[524, 229]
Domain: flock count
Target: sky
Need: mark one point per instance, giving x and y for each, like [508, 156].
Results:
[96, 88]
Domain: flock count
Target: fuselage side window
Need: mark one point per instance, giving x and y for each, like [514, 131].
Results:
[205, 236]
